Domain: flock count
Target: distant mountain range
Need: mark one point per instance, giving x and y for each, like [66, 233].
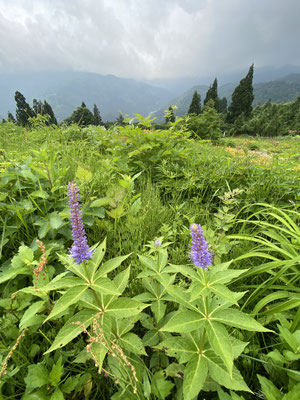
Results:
[65, 91]
[281, 90]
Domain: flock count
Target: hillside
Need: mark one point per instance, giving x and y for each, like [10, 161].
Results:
[279, 91]
[66, 90]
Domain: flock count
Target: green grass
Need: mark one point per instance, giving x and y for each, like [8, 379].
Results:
[152, 185]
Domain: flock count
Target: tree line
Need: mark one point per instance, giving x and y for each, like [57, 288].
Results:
[213, 119]
[24, 112]
[209, 121]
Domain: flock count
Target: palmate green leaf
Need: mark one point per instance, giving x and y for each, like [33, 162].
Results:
[30, 313]
[77, 269]
[219, 340]
[99, 352]
[232, 396]
[219, 373]
[93, 264]
[180, 347]
[188, 272]
[238, 319]
[162, 259]
[151, 338]
[12, 273]
[124, 307]
[131, 342]
[89, 300]
[237, 346]
[223, 292]
[71, 296]
[71, 330]
[184, 321]
[148, 263]
[158, 308]
[179, 295]
[121, 280]
[225, 276]
[197, 290]
[63, 282]
[146, 296]
[109, 266]
[195, 374]
[105, 286]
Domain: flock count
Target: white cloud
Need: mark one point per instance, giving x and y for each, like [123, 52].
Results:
[148, 39]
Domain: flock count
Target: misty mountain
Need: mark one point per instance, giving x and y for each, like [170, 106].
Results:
[65, 91]
[281, 90]
[261, 74]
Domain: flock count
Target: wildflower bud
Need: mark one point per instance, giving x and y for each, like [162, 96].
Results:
[199, 253]
[80, 250]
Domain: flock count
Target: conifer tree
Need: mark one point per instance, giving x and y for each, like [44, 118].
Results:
[47, 109]
[44, 108]
[212, 94]
[120, 120]
[242, 98]
[10, 117]
[170, 115]
[223, 105]
[195, 106]
[97, 116]
[81, 116]
[23, 111]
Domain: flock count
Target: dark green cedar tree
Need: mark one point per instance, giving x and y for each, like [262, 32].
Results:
[11, 118]
[195, 106]
[97, 116]
[223, 105]
[242, 98]
[44, 108]
[171, 116]
[23, 110]
[212, 94]
[81, 116]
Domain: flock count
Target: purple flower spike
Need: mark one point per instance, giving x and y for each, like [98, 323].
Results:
[80, 250]
[157, 243]
[199, 253]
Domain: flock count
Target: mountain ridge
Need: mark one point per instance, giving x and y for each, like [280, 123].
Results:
[65, 91]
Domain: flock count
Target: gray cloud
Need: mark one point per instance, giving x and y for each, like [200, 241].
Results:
[148, 39]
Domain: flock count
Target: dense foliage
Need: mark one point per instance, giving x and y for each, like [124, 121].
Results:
[242, 98]
[139, 319]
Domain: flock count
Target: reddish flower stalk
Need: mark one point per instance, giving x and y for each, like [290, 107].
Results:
[4, 364]
[40, 268]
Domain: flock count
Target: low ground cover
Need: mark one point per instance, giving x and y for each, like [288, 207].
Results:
[139, 320]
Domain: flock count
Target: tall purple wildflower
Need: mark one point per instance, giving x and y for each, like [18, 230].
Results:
[80, 250]
[199, 253]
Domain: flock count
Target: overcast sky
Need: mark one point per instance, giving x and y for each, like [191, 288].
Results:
[148, 39]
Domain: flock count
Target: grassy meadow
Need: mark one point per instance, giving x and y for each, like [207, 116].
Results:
[139, 320]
